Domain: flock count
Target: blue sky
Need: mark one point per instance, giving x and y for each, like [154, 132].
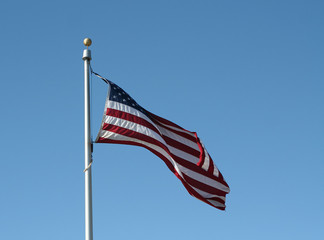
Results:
[246, 75]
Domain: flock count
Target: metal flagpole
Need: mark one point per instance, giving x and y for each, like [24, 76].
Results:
[87, 143]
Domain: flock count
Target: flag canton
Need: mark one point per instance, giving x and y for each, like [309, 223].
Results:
[117, 94]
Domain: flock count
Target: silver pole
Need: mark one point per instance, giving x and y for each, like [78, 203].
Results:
[87, 143]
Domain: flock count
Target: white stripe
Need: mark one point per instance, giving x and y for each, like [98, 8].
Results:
[205, 166]
[125, 108]
[178, 138]
[207, 195]
[204, 179]
[209, 161]
[177, 129]
[216, 204]
[181, 154]
[216, 171]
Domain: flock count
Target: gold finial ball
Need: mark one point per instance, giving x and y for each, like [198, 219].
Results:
[87, 42]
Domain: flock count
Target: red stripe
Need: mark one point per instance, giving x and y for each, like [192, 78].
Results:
[132, 118]
[188, 135]
[211, 165]
[202, 152]
[181, 146]
[221, 178]
[203, 157]
[163, 120]
[204, 187]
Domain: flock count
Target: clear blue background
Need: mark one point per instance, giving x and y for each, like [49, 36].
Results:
[248, 76]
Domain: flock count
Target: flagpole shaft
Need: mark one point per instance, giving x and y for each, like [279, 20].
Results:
[87, 148]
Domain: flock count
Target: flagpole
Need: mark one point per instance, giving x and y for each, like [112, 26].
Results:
[87, 143]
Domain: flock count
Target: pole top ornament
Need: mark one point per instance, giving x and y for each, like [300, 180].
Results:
[87, 42]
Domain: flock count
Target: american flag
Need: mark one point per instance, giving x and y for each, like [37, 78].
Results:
[126, 122]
